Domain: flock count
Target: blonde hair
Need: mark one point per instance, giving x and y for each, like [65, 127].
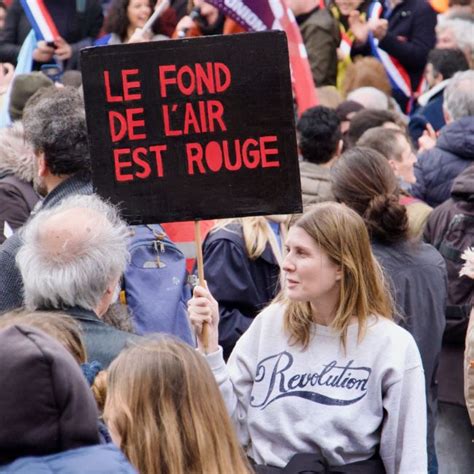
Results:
[257, 234]
[341, 233]
[164, 403]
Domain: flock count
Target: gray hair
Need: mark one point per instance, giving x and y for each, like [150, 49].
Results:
[85, 256]
[55, 124]
[370, 98]
[462, 30]
[459, 95]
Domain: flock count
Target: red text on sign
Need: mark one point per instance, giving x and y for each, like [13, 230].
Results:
[120, 124]
[215, 156]
[140, 163]
[127, 86]
[205, 116]
[197, 79]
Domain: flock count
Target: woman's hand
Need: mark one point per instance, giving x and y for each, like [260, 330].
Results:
[63, 49]
[43, 53]
[204, 312]
[358, 26]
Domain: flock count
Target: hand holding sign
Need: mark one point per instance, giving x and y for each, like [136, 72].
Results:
[204, 313]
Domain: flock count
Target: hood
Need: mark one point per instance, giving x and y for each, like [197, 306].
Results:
[99, 459]
[46, 406]
[463, 185]
[16, 155]
[458, 138]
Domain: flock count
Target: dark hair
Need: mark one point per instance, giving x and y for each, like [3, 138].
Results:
[3, 5]
[447, 62]
[319, 134]
[116, 20]
[385, 141]
[363, 180]
[55, 124]
[370, 118]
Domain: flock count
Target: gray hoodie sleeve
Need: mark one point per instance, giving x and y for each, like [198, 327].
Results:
[403, 439]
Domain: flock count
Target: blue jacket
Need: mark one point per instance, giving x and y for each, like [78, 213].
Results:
[99, 459]
[431, 113]
[437, 168]
[243, 287]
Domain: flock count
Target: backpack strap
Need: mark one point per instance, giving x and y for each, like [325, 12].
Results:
[445, 249]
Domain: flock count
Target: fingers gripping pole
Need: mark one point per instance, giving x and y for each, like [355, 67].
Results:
[202, 282]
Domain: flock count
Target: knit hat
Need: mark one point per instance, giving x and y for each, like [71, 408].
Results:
[23, 87]
[46, 405]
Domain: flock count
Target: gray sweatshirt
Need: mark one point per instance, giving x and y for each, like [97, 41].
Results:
[340, 404]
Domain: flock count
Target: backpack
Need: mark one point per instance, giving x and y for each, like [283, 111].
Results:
[457, 238]
[155, 284]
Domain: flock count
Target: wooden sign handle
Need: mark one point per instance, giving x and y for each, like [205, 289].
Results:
[202, 282]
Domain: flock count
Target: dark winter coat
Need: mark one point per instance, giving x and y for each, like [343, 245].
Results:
[79, 29]
[100, 459]
[241, 286]
[417, 276]
[410, 37]
[11, 285]
[437, 168]
[460, 289]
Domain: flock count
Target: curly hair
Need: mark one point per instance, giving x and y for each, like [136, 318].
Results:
[319, 134]
[55, 124]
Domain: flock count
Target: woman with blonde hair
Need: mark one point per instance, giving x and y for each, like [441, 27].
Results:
[165, 412]
[242, 260]
[324, 378]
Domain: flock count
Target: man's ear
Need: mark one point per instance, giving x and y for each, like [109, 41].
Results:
[393, 164]
[42, 167]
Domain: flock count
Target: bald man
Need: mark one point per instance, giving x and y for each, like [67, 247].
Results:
[72, 259]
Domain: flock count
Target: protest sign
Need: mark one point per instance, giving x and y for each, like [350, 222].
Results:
[198, 128]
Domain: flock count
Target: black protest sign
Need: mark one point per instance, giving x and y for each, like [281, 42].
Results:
[196, 128]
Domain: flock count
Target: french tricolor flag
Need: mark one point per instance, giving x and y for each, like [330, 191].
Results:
[40, 20]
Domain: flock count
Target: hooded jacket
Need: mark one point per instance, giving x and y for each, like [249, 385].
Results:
[46, 405]
[17, 171]
[106, 459]
[315, 183]
[437, 168]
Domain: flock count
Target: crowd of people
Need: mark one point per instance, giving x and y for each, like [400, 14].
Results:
[337, 340]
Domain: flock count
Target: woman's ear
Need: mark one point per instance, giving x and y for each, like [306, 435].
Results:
[339, 274]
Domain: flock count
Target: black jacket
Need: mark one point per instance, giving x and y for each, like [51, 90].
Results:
[417, 276]
[410, 37]
[460, 289]
[79, 30]
[242, 287]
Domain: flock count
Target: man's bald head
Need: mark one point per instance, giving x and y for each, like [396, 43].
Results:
[72, 254]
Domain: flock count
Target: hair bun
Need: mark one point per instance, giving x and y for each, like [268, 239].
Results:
[386, 218]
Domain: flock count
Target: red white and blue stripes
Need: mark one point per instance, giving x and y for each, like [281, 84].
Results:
[40, 20]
